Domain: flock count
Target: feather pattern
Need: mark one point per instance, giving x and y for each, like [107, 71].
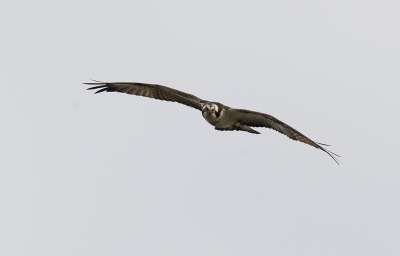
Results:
[154, 91]
[257, 119]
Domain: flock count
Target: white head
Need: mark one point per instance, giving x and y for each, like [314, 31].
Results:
[209, 108]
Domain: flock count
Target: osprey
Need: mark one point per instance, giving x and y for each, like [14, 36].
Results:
[222, 117]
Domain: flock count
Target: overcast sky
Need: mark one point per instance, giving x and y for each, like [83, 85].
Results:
[116, 174]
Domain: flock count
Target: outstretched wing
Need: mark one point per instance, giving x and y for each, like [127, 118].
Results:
[257, 119]
[154, 91]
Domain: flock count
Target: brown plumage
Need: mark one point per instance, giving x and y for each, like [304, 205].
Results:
[257, 119]
[154, 91]
[222, 117]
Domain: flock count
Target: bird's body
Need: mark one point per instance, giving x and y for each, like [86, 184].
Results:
[222, 117]
[216, 114]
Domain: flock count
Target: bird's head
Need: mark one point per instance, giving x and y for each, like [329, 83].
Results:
[209, 108]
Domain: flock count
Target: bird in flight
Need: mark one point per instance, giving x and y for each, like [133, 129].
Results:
[222, 117]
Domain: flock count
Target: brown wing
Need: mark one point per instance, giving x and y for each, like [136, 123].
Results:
[257, 119]
[154, 91]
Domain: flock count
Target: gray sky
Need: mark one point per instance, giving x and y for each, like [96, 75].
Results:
[115, 174]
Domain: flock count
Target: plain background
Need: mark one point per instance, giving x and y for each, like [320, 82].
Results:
[115, 174]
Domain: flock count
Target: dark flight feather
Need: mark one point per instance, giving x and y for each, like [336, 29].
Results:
[154, 91]
[257, 119]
